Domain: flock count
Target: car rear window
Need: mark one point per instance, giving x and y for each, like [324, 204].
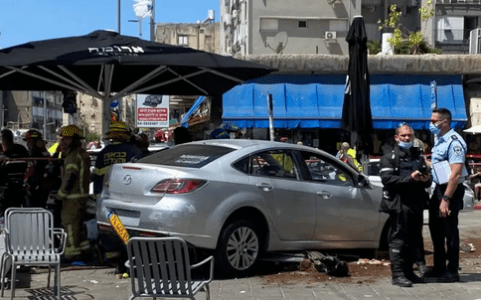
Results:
[191, 156]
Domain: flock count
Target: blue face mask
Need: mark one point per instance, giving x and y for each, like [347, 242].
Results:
[405, 145]
[434, 129]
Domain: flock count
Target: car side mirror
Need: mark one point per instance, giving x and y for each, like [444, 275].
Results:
[362, 181]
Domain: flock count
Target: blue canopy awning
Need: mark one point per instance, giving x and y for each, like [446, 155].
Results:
[185, 120]
[301, 101]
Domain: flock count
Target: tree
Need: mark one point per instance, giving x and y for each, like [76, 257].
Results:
[413, 43]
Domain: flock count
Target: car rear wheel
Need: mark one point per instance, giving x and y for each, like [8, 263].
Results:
[239, 248]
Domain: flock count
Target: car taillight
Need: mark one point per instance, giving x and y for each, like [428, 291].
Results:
[178, 186]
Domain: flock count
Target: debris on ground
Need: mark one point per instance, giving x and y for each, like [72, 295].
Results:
[365, 261]
[331, 265]
[467, 247]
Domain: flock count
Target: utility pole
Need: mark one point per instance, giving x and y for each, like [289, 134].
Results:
[152, 23]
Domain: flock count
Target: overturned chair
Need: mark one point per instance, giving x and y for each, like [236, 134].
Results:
[30, 240]
[160, 267]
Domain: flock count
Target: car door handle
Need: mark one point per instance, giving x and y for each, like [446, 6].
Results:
[324, 194]
[264, 186]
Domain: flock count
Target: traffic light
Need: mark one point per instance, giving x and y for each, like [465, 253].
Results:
[69, 102]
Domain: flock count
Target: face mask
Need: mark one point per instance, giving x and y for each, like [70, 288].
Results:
[434, 129]
[405, 145]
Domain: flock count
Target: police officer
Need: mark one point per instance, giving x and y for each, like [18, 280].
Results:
[74, 190]
[447, 198]
[405, 178]
[120, 150]
[37, 185]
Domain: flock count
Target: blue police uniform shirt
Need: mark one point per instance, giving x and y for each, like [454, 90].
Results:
[450, 147]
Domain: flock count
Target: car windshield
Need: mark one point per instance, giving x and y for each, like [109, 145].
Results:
[192, 156]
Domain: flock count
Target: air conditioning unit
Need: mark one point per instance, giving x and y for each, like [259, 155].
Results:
[330, 35]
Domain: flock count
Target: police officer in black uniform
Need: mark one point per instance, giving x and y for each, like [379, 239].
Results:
[405, 177]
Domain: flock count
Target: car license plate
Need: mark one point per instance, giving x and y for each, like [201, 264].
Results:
[118, 226]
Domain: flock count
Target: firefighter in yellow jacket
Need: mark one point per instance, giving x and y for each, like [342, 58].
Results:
[74, 189]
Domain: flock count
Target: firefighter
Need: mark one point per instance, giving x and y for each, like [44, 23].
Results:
[37, 184]
[74, 190]
[120, 150]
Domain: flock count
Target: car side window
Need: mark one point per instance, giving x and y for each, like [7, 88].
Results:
[325, 171]
[271, 163]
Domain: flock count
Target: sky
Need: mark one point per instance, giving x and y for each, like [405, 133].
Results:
[23, 21]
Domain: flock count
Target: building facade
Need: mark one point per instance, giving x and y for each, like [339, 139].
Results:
[33, 109]
[286, 27]
[203, 36]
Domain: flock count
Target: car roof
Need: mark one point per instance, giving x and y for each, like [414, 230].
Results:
[245, 143]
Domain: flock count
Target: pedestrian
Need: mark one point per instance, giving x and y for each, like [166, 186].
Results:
[476, 183]
[181, 135]
[120, 150]
[447, 198]
[74, 191]
[346, 155]
[37, 186]
[12, 189]
[143, 143]
[11, 149]
[405, 178]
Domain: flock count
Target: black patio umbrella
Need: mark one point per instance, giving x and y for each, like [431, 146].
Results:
[356, 110]
[108, 65]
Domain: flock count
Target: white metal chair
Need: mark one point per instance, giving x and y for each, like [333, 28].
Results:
[160, 267]
[30, 241]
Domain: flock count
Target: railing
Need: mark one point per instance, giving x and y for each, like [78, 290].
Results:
[461, 2]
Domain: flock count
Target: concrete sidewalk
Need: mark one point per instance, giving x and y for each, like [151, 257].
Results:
[99, 283]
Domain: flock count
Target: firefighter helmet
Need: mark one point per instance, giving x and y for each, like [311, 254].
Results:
[118, 130]
[70, 131]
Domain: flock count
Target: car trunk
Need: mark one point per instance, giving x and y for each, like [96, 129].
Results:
[137, 180]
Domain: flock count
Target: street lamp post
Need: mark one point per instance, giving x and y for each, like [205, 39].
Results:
[118, 16]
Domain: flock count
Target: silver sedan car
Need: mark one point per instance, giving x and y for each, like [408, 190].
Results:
[243, 198]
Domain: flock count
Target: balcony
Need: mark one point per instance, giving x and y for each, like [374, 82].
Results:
[452, 41]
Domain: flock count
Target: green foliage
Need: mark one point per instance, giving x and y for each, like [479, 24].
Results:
[393, 20]
[426, 11]
[374, 47]
[414, 43]
[93, 136]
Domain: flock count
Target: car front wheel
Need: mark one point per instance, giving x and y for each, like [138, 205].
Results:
[239, 248]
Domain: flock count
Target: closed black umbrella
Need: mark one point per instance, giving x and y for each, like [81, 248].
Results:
[104, 63]
[356, 111]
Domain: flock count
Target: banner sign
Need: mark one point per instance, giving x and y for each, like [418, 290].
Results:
[152, 111]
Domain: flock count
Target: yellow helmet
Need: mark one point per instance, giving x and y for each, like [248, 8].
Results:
[119, 130]
[70, 131]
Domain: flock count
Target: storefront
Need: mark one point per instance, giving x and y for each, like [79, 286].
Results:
[311, 105]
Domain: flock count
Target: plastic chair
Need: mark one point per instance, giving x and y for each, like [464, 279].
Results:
[160, 267]
[30, 241]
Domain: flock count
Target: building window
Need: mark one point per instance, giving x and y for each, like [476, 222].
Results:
[183, 40]
[269, 24]
[303, 24]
